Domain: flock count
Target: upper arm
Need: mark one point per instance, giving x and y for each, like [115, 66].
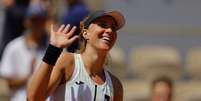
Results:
[58, 72]
[118, 88]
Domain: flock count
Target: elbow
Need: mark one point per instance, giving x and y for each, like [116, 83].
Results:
[31, 93]
[31, 96]
[29, 99]
[34, 96]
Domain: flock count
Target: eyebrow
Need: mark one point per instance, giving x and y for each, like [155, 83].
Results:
[102, 19]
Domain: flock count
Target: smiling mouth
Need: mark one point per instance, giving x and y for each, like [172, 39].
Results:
[106, 39]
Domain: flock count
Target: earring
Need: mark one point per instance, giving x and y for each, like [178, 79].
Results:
[85, 34]
[84, 31]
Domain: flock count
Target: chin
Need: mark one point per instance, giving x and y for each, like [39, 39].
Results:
[105, 47]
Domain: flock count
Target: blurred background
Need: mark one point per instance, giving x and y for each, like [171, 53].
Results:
[161, 42]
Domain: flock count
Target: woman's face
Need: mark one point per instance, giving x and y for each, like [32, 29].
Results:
[101, 34]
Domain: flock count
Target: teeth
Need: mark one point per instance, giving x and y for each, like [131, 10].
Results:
[106, 38]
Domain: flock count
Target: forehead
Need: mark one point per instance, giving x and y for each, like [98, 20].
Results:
[106, 19]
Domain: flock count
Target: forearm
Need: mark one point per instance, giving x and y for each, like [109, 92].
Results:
[41, 83]
[37, 86]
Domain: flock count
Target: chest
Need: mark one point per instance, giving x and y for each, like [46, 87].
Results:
[83, 91]
[82, 88]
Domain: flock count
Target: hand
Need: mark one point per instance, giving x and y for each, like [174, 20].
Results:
[63, 36]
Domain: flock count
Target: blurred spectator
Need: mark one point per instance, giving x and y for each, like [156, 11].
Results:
[21, 54]
[13, 23]
[162, 89]
[76, 12]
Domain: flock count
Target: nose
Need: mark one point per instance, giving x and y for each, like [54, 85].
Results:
[109, 30]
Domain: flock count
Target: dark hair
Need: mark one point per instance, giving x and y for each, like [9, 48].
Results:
[82, 41]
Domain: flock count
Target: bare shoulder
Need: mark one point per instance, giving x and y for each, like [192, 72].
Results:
[66, 63]
[118, 88]
[66, 58]
[115, 81]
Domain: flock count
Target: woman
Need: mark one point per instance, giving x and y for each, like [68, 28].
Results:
[79, 77]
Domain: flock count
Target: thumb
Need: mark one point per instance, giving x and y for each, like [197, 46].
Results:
[52, 30]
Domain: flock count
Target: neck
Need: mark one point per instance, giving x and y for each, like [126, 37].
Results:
[94, 60]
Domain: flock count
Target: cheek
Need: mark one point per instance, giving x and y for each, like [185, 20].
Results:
[95, 34]
[99, 31]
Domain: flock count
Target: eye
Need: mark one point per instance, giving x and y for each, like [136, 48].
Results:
[105, 25]
[113, 28]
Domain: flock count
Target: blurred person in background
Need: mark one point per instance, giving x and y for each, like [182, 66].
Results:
[22, 54]
[76, 11]
[13, 23]
[162, 89]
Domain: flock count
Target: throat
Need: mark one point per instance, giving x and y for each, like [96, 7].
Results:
[94, 66]
[98, 78]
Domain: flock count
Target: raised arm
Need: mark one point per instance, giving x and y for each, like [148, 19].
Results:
[39, 85]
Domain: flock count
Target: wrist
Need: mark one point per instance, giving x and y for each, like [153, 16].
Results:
[52, 54]
[55, 45]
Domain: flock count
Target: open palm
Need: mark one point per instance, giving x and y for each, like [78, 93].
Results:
[63, 36]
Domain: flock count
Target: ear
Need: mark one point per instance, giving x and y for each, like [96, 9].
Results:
[85, 34]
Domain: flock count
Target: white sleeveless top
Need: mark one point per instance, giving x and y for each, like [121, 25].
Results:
[82, 88]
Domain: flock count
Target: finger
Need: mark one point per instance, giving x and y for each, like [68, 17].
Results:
[76, 37]
[52, 28]
[61, 28]
[72, 31]
[66, 28]
[52, 32]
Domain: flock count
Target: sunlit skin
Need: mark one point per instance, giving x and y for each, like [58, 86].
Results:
[99, 37]
[161, 92]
